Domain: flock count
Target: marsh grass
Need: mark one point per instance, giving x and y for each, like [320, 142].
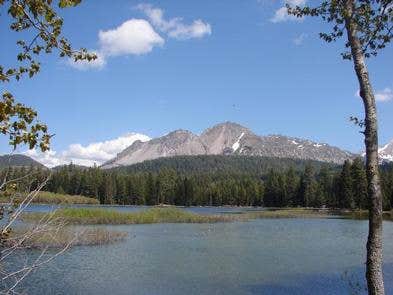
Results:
[91, 216]
[290, 213]
[54, 198]
[315, 213]
[84, 216]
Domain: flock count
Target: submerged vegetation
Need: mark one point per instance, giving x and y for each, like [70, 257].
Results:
[68, 237]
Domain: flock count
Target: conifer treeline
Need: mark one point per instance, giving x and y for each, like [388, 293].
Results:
[310, 186]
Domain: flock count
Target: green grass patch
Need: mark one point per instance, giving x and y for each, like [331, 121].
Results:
[53, 198]
[82, 216]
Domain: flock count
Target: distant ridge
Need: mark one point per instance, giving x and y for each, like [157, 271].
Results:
[18, 160]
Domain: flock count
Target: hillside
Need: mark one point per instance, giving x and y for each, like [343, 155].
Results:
[18, 160]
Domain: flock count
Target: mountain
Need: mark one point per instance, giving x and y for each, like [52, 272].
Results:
[227, 139]
[386, 152]
[18, 160]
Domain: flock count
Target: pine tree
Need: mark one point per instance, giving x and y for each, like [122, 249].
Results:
[308, 187]
[292, 183]
[272, 190]
[325, 180]
[359, 183]
[346, 199]
[150, 191]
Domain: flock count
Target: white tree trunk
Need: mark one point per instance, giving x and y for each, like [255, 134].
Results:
[374, 273]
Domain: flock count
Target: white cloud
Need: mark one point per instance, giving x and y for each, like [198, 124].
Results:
[281, 14]
[197, 29]
[175, 27]
[84, 65]
[384, 95]
[156, 17]
[296, 2]
[299, 39]
[49, 159]
[133, 37]
[93, 153]
[137, 36]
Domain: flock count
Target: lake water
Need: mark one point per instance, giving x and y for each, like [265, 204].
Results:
[266, 256]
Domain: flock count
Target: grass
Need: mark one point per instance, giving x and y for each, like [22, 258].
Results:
[54, 198]
[84, 216]
[90, 216]
[69, 236]
[315, 213]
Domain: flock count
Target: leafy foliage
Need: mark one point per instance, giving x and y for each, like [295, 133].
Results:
[373, 18]
[18, 122]
[39, 20]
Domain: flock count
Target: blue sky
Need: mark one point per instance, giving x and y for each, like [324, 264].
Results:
[222, 61]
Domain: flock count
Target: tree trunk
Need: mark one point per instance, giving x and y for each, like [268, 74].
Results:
[374, 273]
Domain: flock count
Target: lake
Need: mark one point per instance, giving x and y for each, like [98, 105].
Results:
[265, 256]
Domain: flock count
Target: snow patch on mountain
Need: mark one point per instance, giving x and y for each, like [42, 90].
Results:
[236, 145]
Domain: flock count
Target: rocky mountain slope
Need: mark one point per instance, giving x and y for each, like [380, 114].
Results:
[176, 143]
[228, 139]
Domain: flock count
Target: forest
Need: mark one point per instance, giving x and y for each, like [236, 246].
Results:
[235, 181]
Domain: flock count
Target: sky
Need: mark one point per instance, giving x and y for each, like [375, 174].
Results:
[166, 65]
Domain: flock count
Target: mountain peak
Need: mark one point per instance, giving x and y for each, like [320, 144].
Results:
[223, 138]
[227, 124]
[180, 132]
